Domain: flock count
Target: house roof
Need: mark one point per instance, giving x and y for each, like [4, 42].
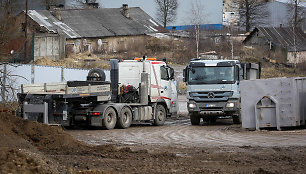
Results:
[293, 40]
[92, 23]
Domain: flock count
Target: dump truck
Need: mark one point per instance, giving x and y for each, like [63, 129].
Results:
[141, 89]
[213, 88]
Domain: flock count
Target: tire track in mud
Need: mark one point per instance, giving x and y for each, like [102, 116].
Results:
[181, 133]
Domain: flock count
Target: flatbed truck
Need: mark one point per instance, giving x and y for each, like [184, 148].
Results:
[142, 89]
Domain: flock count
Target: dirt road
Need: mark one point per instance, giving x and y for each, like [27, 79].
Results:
[178, 147]
[179, 132]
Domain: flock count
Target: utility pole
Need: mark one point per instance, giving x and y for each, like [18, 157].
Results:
[232, 50]
[26, 42]
[197, 32]
[295, 12]
[3, 83]
[294, 44]
[26, 30]
[231, 39]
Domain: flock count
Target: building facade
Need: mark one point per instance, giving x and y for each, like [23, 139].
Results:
[60, 32]
[288, 42]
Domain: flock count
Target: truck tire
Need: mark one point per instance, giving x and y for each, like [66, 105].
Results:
[160, 116]
[110, 118]
[125, 118]
[96, 75]
[236, 119]
[194, 118]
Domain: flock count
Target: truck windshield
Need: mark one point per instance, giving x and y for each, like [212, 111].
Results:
[211, 75]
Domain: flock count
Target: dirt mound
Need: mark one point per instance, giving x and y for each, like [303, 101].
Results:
[30, 147]
[39, 135]
[45, 138]
[16, 161]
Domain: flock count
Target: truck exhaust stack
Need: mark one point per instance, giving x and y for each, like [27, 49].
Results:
[114, 76]
[144, 89]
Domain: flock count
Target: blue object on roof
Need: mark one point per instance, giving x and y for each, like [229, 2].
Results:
[202, 27]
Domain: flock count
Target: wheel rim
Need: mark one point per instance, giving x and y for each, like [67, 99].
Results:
[160, 115]
[125, 117]
[96, 75]
[109, 117]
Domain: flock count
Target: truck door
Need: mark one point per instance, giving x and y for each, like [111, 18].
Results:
[174, 87]
[162, 86]
[168, 91]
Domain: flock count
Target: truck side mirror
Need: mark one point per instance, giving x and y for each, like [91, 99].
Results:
[185, 75]
[171, 73]
[240, 73]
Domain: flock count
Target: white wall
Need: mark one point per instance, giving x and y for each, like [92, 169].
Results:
[18, 74]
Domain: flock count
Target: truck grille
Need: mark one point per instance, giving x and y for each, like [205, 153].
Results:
[209, 96]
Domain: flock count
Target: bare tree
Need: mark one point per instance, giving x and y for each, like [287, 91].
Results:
[8, 25]
[197, 17]
[8, 85]
[166, 11]
[296, 12]
[252, 12]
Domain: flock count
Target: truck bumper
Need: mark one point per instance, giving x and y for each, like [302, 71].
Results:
[214, 108]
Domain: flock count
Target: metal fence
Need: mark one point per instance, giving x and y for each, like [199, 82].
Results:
[13, 75]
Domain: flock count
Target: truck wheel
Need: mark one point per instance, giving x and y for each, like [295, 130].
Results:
[236, 119]
[110, 118]
[96, 75]
[194, 118]
[125, 119]
[160, 116]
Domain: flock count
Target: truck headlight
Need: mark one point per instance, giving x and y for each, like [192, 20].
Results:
[192, 105]
[230, 105]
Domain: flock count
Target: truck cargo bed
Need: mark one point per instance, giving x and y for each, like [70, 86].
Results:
[69, 89]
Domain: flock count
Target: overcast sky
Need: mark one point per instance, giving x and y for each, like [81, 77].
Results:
[212, 9]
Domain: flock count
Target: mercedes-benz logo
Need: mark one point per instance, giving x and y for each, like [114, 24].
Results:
[211, 95]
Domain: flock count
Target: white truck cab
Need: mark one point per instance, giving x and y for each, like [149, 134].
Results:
[161, 84]
[213, 88]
